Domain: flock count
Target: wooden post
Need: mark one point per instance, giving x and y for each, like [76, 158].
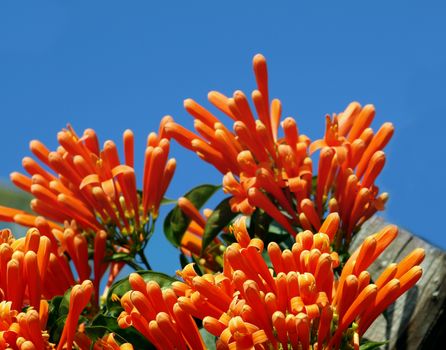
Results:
[417, 320]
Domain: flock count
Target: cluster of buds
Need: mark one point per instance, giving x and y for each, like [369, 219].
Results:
[298, 301]
[305, 293]
[93, 187]
[275, 174]
[32, 267]
[23, 330]
[192, 240]
[39, 263]
[33, 271]
[26, 330]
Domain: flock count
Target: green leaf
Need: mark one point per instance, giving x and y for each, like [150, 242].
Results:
[57, 313]
[278, 234]
[119, 257]
[53, 315]
[220, 218]
[122, 286]
[228, 238]
[259, 224]
[64, 305]
[208, 338]
[102, 325]
[372, 345]
[166, 201]
[183, 260]
[176, 222]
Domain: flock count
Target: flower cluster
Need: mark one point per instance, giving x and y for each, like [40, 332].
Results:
[33, 271]
[286, 281]
[263, 170]
[192, 240]
[93, 187]
[298, 301]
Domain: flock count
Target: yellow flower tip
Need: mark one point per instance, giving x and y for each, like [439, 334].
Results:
[115, 298]
[188, 103]
[240, 232]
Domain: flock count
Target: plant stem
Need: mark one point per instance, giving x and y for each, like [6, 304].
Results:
[133, 265]
[144, 259]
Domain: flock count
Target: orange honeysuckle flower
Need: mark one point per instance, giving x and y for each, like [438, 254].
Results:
[37, 266]
[108, 342]
[191, 242]
[262, 170]
[23, 330]
[79, 298]
[31, 267]
[93, 187]
[157, 315]
[299, 301]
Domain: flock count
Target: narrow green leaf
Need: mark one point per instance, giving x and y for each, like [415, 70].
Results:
[228, 238]
[120, 257]
[166, 201]
[176, 222]
[259, 224]
[220, 218]
[372, 345]
[122, 286]
[183, 260]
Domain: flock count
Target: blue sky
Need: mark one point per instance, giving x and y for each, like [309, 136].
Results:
[114, 65]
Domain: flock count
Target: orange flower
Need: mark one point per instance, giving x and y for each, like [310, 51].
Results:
[191, 242]
[250, 305]
[23, 330]
[263, 170]
[108, 342]
[36, 266]
[93, 187]
[31, 267]
[350, 160]
[27, 329]
[158, 316]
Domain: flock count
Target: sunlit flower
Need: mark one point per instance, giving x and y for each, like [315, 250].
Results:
[263, 170]
[37, 266]
[298, 301]
[26, 330]
[108, 342]
[192, 240]
[157, 315]
[92, 186]
[23, 330]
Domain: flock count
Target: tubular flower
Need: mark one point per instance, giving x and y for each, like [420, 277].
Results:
[157, 315]
[37, 266]
[108, 342]
[191, 242]
[350, 160]
[92, 186]
[32, 268]
[275, 174]
[298, 302]
[23, 330]
[27, 330]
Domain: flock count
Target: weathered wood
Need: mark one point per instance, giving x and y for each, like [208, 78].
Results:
[418, 319]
